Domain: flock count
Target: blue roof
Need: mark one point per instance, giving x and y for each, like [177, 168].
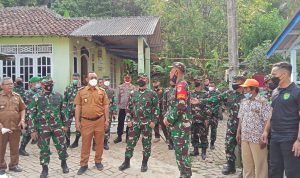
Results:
[278, 41]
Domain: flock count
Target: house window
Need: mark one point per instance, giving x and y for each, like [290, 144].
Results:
[113, 72]
[30, 60]
[75, 65]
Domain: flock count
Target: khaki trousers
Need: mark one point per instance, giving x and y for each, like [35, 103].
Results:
[90, 129]
[255, 160]
[13, 139]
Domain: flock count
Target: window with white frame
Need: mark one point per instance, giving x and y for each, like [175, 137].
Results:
[30, 60]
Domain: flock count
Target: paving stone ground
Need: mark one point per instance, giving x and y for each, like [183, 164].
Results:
[161, 164]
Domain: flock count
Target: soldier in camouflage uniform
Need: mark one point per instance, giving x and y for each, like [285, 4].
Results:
[214, 119]
[268, 88]
[178, 118]
[19, 88]
[112, 108]
[34, 84]
[47, 120]
[141, 114]
[200, 116]
[69, 106]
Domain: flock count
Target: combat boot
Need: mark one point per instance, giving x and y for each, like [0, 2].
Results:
[75, 143]
[44, 173]
[144, 166]
[64, 166]
[106, 147]
[22, 151]
[203, 153]
[195, 152]
[68, 135]
[125, 164]
[212, 146]
[229, 168]
[94, 145]
[118, 139]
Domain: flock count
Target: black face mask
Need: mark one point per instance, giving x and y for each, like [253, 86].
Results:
[197, 84]
[174, 78]
[272, 86]
[48, 88]
[235, 86]
[19, 83]
[275, 82]
[141, 83]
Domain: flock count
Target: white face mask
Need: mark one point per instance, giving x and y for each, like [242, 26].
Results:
[106, 83]
[37, 86]
[93, 82]
[211, 88]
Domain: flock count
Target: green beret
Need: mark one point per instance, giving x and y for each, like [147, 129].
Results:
[35, 79]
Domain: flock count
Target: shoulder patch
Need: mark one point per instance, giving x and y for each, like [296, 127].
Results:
[14, 93]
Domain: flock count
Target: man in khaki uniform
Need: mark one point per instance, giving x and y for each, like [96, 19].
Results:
[12, 116]
[92, 106]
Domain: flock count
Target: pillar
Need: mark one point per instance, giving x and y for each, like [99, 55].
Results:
[294, 64]
[141, 57]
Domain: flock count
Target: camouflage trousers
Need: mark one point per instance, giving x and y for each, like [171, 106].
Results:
[230, 139]
[26, 137]
[58, 138]
[199, 132]
[181, 141]
[107, 133]
[213, 123]
[134, 134]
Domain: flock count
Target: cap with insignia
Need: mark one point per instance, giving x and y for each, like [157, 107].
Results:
[267, 78]
[180, 66]
[47, 79]
[143, 75]
[35, 79]
[239, 77]
[198, 77]
[106, 78]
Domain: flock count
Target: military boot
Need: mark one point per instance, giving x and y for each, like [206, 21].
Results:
[94, 145]
[203, 153]
[106, 147]
[144, 166]
[229, 168]
[125, 164]
[68, 135]
[44, 173]
[212, 146]
[195, 152]
[75, 143]
[118, 139]
[22, 151]
[64, 166]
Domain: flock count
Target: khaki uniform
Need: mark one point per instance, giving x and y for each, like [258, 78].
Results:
[10, 108]
[92, 102]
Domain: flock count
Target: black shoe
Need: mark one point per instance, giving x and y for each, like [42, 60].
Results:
[82, 170]
[241, 175]
[33, 142]
[171, 147]
[203, 154]
[144, 166]
[74, 145]
[99, 166]
[195, 152]
[2, 172]
[64, 167]
[118, 139]
[106, 147]
[44, 172]
[68, 144]
[22, 151]
[125, 164]
[229, 169]
[16, 169]
[212, 146]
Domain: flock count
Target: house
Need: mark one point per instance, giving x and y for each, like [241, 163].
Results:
[45, 43]
[288, 44]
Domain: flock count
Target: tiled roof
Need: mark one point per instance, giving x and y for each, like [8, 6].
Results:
[119, 26]
[36, 21]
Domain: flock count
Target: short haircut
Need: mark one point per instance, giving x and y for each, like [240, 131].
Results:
[212, 82]
[254, 88]
[76, 75]
[284, 65]
[4, 79]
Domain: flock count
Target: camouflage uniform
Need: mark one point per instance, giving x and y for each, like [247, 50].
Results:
[214, 119]
[20, 90]
[47, 119]
[142, 109]
[178, 114]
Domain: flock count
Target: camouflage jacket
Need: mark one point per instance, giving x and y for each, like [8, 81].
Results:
[216, 104]
[124, 91]
[160, 92]
[169, 93]
[142, 107]
[178, 112]
[68, 101]
[46, 112]
[112, 100]
[200, 112]
[20, 90]
[267, 94]
[28, 98]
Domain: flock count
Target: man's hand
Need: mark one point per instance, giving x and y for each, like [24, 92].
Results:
[129, 124]
[296, 148]
[34, 135]
[65, 129]
[264, 137]
[206, 123]
[152, 125]
[238, 138]
[167, 123]
[22, 124]
[106, 125]
[194, 101]
[78, 126]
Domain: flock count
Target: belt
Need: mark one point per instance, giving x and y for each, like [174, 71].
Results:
[92, 119]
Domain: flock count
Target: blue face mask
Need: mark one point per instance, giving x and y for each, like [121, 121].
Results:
[247, 95]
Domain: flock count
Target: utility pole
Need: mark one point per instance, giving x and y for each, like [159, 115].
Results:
[232, 39]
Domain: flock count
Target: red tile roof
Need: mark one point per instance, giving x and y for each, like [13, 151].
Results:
[36, 21]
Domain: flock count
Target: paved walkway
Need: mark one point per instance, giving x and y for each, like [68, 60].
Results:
[161, 164]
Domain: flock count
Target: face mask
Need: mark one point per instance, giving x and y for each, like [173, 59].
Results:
[49, 88]
[197, 84]
[247, 95]
[275, 82]
[106, 83]
[141, 83]
[174, 78]
[37, 86]
[211, 88]
[235, 86]
[75, 82]
[93, 82]
[19, 83]
[272, 86]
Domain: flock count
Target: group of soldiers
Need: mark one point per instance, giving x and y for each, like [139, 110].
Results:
[183, 115]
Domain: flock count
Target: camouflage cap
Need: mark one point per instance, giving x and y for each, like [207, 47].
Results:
[198, 77]
[156, 69]
[239, 77]
[142, 75]
[267, 78]
[180, 66]
[106, 78]
[47, 79]
[156, 77]
[35, 79]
